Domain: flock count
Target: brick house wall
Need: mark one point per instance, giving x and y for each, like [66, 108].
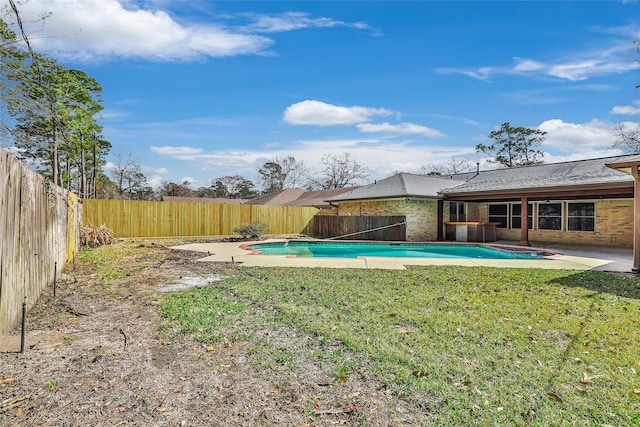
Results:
[421, 214]
[614, 226]
[614, 221]
[472, 211]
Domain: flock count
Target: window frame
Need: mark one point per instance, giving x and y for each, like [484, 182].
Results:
[587, 218]
[519, 216]
[554, 220]
[495, 217]
[557, 222]
[457, 216]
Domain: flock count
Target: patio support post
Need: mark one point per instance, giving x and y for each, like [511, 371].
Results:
[636, 219]
[440, 236]
[524, 221]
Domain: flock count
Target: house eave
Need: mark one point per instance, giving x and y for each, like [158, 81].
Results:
[387, 198]
[596, 191]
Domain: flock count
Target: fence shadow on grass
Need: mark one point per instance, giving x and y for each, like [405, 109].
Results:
[602, 282]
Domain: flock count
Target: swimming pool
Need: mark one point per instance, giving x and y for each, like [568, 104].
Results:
[395, 250]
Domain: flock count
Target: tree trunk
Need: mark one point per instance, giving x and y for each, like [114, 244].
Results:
[83, 174]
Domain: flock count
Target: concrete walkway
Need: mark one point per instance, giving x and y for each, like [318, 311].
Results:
[612, 259]
[569, 257]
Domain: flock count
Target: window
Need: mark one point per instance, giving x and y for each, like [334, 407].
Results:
[457, 212]
[500, 214]
[516, 215]
[550, 216]
[581, 216]
[565, 215]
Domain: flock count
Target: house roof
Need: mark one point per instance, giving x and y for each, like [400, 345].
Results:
[589, 175]
[281, 198]
[286, 197]
[581, 173]
[220, 200]
[401, 185]
[318, 198]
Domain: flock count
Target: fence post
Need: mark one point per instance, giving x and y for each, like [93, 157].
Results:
[55, 275]
[24, 324]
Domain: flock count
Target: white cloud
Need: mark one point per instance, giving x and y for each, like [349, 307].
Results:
[582, 155]
[582, 70]
[90, 30]
[535, 97]
[526, 65]
[627, 110]
[483, 73]
[577, 137]
[381, 157]
[155, 181]
[291, 21]
[177, 152]
[318, 113]
[150, 170]
[401, 129]
[611, 60]
[572, 70]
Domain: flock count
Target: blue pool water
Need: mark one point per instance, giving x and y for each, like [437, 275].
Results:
[354, 250]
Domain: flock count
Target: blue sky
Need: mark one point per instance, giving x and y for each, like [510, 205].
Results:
[198, 89]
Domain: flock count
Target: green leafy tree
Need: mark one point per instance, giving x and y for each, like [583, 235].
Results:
[514, 146]
[237, 186]
[60, 130]
[217, 189]
[176, 189]
[11, 62]
[280, 173]
[105, 188]
[272, 177]
[50, 112]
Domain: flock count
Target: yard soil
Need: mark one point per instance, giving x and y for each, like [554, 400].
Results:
[93, 357]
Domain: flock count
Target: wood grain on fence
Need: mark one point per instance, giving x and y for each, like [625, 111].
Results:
[384, 228]
[131, 218]
[38, 231]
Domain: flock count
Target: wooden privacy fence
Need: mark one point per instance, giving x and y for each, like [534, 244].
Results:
[130, 218]
[384, 228]
[38, 231]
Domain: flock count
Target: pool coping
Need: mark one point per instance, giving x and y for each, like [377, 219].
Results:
[238, 252]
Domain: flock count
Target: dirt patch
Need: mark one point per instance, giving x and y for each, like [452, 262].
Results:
[93, 356]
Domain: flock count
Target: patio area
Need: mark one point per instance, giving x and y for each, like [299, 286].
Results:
[572, 257]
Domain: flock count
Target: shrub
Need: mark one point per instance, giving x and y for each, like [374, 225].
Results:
[252, 229]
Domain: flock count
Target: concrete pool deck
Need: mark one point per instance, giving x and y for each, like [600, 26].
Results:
[571, 257]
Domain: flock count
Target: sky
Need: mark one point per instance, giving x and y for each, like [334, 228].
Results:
[196, 89]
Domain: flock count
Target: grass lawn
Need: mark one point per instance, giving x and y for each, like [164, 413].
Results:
[475, 346]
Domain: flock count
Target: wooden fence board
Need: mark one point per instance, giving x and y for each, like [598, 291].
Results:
[386, 228]
[38, 230]
[130, 218]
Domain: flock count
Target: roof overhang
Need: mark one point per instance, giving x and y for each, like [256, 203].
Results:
[630, 168]
[596, 191]
[382, 198]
